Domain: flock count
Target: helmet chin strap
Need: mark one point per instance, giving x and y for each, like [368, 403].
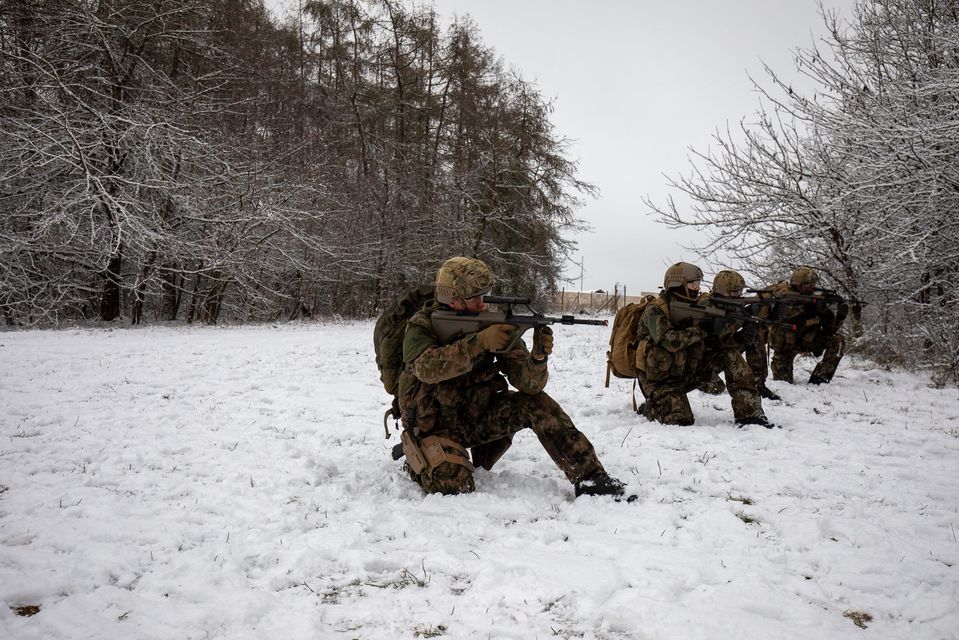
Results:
[684, 292]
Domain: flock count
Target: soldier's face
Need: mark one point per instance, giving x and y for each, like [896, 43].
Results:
[807, 287]
[693, 285]
[473, 305]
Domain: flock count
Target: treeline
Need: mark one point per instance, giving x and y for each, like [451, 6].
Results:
[196, 160]
[860, 179]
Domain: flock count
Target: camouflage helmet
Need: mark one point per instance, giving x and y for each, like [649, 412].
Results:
[727, 282]
[681, 273]
[804, 275]
[462, 278]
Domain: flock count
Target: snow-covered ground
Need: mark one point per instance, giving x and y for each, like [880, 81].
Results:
[177, 482]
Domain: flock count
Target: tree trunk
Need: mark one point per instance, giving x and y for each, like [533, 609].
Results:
[170, 305]
[110, 300]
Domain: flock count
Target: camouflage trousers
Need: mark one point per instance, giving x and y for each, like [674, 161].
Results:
[782, 361]
[488, 439]
[666, 400]
[757, 355]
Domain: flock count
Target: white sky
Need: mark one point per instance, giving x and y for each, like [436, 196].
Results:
[636, 84]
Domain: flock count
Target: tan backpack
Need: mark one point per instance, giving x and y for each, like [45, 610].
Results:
[624, 340]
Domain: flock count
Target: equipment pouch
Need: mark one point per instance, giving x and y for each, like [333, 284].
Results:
[641, 355]
[433, 451]
[414, 455]
[661, 364]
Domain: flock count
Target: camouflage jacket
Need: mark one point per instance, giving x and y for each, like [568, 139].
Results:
[668, 351]
[727, 336]
[449, 387]
[815, 323]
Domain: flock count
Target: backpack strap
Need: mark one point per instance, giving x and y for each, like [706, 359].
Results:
[662, 304]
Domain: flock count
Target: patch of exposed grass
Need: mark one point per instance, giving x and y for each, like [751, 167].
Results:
[406, 579]
[743, 499]
[748, 519]
[859, 618]
[26, 610]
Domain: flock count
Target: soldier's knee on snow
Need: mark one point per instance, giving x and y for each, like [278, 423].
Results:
[677, 420]
[438, 464]
[450, 479]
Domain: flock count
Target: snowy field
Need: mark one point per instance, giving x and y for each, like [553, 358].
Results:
[192, 483]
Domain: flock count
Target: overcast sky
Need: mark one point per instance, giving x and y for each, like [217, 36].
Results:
[636, 83]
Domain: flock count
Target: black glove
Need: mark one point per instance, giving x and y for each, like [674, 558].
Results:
[714, 326]
[842, 310]
[747, 335]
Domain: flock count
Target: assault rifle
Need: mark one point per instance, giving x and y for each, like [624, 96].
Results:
[720, 308]
[818, 297]
[821, 298]
[449, 325]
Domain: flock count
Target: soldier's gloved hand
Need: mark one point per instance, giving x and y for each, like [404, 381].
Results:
[495, 337]
[715, 326]
[542, 343]
[842, 310]
[747, 335]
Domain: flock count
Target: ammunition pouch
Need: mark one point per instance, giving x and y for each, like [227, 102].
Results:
[781, 339]
[425, 455]
[641, 354]
[663, 365]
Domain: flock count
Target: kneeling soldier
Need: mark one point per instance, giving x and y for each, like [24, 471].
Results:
[456, 396]
[678, 357]
[818, 330]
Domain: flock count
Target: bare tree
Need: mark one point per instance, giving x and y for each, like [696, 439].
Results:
[195, 160]
[859, 179]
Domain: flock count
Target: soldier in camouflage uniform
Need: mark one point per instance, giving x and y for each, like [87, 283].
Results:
[817, 332]
[455, 397]
[678, 359]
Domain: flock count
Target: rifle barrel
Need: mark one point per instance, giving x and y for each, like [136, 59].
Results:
[506, 300]
[573, 320]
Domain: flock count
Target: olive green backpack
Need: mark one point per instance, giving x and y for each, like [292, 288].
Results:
[388, 337]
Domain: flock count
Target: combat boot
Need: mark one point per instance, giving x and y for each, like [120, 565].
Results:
[760, 420]
[487, 454]
[600, 483]
[767, 393]
[714, 386]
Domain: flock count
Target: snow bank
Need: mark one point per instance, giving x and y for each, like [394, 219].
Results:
[235, 483]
